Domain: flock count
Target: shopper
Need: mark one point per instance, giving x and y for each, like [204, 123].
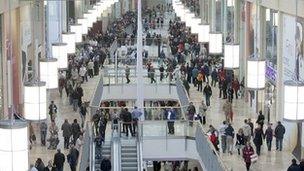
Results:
[269, 136]
[202, 109]
[127, 73]
[279, 134]
[106, 164]
[240, 141]
[171, 116]
[208, 93]
[76, 130]
[43, 133]
[294, 166]
[52, 110]
[59, 160]
[66, 133]
[230, 136]
[72, 157]
[247, 153]
[258, 139]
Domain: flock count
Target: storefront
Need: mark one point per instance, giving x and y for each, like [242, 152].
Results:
[271, 33]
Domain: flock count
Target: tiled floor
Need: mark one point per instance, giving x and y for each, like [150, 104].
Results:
[65, 111]
[276, 161]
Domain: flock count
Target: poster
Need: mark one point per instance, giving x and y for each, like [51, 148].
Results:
[293, 47]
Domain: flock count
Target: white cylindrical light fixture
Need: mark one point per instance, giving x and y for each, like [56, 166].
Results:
[215, 43]
[267, 14]
[77, 29]
[14, 145]
[90, 19]
[230, 3]
[70, 39]
[194, 25]
[94, 14]
[188, 18]
[49, 72]
[231, 56]
[203, 35]
[84, 24]
[35, 108]
[59, 51]
[275, 19]
[256, 74]
[293, 101]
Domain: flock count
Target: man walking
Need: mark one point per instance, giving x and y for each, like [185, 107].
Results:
[136, 114]
[279, 134]
[72, 157]
[52, 110]
[171, 116]
[43, 132]
[127, 72]
[208, 93]
[66, 133]
[59, 160]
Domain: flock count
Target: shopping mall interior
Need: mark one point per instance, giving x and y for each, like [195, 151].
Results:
[200, 85]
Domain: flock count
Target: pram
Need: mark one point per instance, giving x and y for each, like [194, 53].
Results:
[54, 141]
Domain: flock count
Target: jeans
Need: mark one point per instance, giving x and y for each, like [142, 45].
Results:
[248, 165]
[258, 149]
[229, 143]
[224, 143]
[75, 104]
[279, 144]
[269, 144]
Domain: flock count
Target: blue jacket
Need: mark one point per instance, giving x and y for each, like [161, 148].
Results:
[172, 116]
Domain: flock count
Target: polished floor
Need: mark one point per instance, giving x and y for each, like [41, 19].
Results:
[276, 161]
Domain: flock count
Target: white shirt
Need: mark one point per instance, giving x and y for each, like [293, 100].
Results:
[34, 169]
[169, 115]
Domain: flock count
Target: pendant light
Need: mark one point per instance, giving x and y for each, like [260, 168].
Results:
[14, 145]
[35, 108]
[77, 29]
[203, 35]
[49, 72]
[215, 43]
[59, 51]
[231, 56]
[293, 100]
[84, 24]
[256, 74]
[70, 39]
[90, 19]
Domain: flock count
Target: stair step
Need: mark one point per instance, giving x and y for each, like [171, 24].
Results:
[127, 155]
[128, 164]
[129, 168]
[129, 159]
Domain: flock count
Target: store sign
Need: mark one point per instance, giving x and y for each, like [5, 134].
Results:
[271, 73]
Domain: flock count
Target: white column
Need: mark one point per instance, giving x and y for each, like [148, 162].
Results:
[139, 64]
[280, 74]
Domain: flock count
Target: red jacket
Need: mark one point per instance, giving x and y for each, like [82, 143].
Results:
[247, 152]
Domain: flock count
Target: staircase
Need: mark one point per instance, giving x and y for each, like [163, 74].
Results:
[128, 156]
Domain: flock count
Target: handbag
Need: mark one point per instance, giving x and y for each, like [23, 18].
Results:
[254, 158]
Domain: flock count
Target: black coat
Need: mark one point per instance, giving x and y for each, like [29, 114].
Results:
[105, 165]
[59, 160]
[258, 137]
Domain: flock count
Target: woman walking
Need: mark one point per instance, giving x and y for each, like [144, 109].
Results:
[247, 153]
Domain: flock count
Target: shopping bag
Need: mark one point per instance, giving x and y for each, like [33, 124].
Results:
[254, 158]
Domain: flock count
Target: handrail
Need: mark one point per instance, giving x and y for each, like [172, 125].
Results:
[139, 139]
[200, 132]
[116, 149]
